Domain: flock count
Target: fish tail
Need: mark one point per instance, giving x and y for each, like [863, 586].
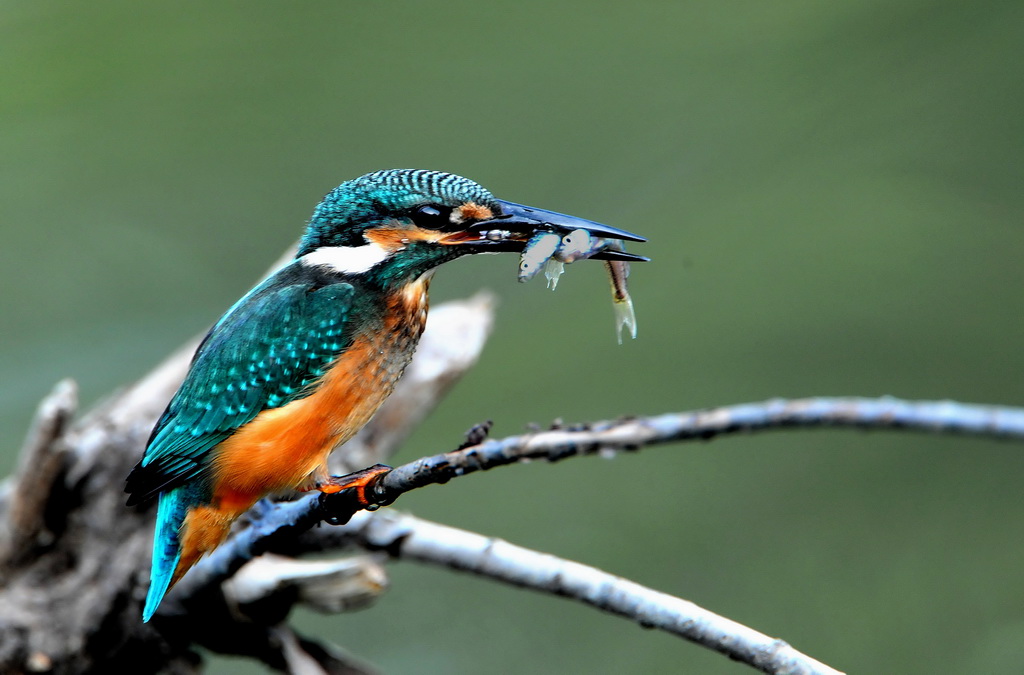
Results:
[622, 304]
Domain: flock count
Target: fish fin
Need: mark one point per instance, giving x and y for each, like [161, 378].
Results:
[552, 270]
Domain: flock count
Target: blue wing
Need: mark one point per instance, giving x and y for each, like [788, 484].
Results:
[262, 354]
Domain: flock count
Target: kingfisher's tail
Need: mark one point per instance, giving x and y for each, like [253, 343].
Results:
[187, 526]
[170, 515]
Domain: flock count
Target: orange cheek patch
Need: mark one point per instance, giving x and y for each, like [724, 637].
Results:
[390, 239]
[393, 239]
[474, 211]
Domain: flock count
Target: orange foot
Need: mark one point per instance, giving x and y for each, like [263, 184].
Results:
[359, 481]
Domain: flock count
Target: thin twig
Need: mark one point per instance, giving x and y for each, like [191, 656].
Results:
[631, 434]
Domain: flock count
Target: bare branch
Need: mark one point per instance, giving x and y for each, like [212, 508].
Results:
[633, 433]
[328, 586]
[406, 537]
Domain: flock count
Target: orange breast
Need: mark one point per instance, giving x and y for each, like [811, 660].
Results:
[287, 447]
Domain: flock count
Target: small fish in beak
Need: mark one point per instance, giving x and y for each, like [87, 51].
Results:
[547, 250]
[539, 249]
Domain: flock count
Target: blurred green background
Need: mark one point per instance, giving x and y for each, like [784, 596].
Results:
[833, 194]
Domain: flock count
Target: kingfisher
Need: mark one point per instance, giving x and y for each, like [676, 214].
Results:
[303, 360]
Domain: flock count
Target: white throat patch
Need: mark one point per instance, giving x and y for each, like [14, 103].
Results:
[347, 259]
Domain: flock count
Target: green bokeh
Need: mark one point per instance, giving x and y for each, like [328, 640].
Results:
[833, 193]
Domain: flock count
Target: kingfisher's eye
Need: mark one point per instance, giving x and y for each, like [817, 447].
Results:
[431, 217]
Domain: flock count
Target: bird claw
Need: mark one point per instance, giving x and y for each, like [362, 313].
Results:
[359, 482]
[342, 496]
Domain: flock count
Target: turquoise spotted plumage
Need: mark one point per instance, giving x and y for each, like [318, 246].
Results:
[264, 353]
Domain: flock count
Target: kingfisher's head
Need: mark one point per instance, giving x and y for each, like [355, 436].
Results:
[397, 224]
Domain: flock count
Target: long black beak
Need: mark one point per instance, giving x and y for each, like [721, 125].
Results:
[509, 230]
[523, 218]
